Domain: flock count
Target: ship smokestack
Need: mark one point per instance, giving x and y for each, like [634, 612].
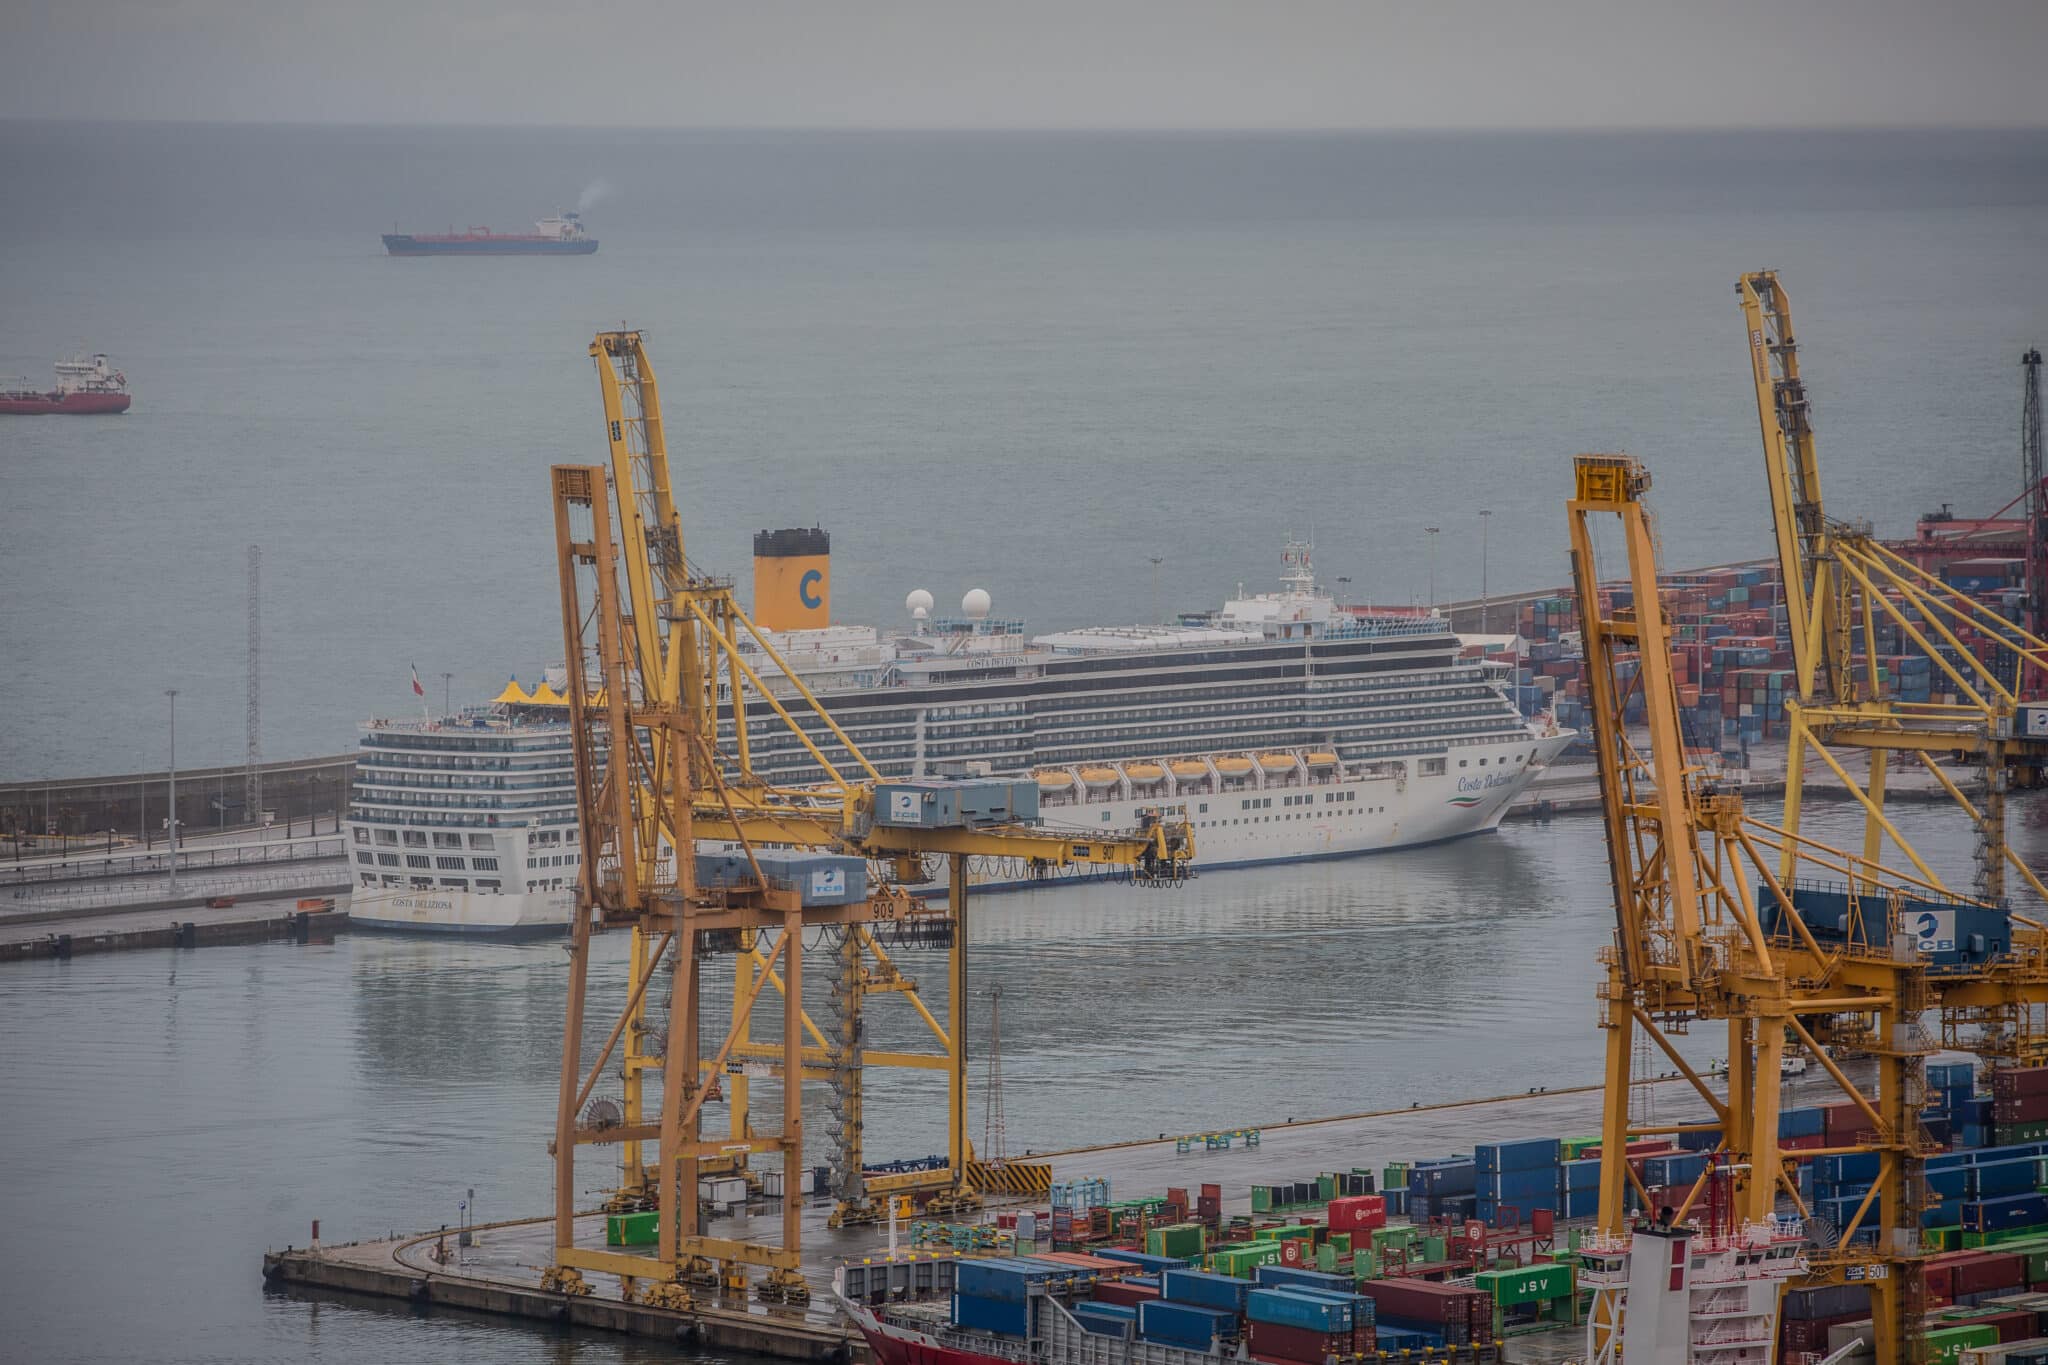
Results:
[793, 578]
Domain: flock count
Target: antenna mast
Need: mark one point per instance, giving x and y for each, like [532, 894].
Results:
[995, 1143]
[2037, 496]
[252, 771]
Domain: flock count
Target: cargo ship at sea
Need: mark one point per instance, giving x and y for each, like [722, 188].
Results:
[561, 235]
[85, 385]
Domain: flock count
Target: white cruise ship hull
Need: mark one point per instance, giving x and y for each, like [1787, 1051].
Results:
[536, 914]
[1342, 818]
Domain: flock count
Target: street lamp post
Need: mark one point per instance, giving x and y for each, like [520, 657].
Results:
[1432, 564]
[1485, 520]
[172, 693]
[447, 686]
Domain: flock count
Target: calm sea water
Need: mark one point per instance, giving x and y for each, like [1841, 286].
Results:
[172, 1114]
[1024, 363]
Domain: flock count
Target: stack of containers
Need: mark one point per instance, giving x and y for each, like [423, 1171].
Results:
[2019, 1105]
[1441, 1314]
[1578, 1188]
[1299, 1326]
[1522, 1176]
[1805, 1315]
[1104, 1319]
[1446, 1189]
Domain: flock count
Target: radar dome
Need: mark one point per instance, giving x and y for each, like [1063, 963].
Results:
[974, 606]
[919, 603]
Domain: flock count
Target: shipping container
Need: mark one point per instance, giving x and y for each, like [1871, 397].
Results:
[1185, 1325]
[1009, 1317]
[1206, 1288]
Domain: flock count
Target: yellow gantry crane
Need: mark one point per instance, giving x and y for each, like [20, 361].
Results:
[1728, 920]
[1841, 583]
[661, 690]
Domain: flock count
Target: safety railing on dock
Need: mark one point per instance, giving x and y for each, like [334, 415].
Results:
[82, 868]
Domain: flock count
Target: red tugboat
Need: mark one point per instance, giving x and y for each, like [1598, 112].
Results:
[86, 385]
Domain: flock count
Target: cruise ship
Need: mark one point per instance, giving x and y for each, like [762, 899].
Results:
[466, 824]
[1282, 726]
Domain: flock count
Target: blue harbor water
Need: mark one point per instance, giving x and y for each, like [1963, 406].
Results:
[1023, 363]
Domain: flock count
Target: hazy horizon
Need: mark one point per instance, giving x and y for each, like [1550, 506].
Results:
[1111, 65]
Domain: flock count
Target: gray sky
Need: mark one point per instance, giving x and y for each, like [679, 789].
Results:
[1038, 64]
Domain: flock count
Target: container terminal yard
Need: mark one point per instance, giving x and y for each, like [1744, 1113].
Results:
[1862, 1176]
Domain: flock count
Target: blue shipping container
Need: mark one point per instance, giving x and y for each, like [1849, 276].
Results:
[1456, 1177]
[2010, 1211]
[1493, 1157]
[2014, 1175]
[819, 878]
[1680, 1169]
[1204, 1288]
[1011, 1318]
[1580, 1175]
[1845, 1167]
[1184, 1324]
[1289, 1308]
[1006, 1277]
[1801, 1122]
[1294, 1277]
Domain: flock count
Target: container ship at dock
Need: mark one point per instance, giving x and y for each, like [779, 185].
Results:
[561, 235]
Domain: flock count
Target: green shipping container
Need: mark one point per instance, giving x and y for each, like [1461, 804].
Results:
[633, 1229]
[1948, 1344]
[1179, 1240]
[1433, 1249]
[1365, 1266]
[1342, 1242]
[2037, 1266]
[1241, 1259]
[1262, 1199]
[1525, 1284]
[1382, 1238]
[1326, 1259]
[1943, 1239]
[1326, 1188]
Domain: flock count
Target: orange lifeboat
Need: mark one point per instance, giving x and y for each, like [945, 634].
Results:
[1277, 763]
[1322, 759]
[1054, 780]
[1144, 772]
[1188, 770]
[1099, 777]
[1234, 767]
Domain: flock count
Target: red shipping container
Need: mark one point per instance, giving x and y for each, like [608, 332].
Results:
[2020, 1109]
[1980, 1272]
[1129, 1295]
[1424, 1301]
[1802, 1144]
[1271, 1341]
[1290, 1251]
[1358, 1213]
[2019, 1080]
[2016, 1325]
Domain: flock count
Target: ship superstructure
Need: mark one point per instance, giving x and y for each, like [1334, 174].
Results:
[1691, 1297]
[467, 823]
[1282, 725]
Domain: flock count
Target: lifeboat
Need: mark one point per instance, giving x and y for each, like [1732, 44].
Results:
[1234, 767]
[1054, 780]
[1099, 777]
[1187, 770]
[1322, 760]
[1277, 763]
[1144, 772]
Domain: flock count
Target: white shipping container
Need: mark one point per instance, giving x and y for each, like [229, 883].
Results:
[724, 1190]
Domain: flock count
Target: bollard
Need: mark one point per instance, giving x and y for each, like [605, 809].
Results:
[188, 934]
